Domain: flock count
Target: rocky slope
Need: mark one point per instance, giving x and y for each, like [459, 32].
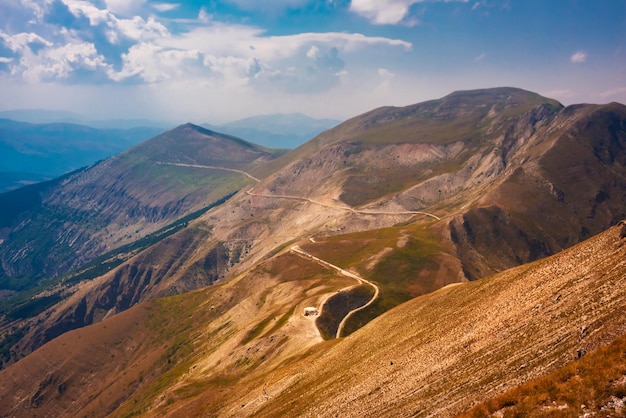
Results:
[411, 198]
[243, 348]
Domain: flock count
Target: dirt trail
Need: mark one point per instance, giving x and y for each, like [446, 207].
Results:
[213, 167]
[347, 208]
[297, 250]
[306, 199]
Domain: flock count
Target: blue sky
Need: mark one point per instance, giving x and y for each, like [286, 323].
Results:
[217, 61]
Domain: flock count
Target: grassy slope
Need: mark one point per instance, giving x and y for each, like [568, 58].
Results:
[404, 261]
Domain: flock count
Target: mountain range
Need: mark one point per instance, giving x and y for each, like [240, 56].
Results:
[277, 130]
[453, 250]
[30, 153]
[39, 145]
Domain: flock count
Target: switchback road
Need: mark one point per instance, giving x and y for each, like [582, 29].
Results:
[297, 250]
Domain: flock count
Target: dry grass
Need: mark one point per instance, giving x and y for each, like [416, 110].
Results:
[594, 385]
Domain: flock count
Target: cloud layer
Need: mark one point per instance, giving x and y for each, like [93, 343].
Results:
[76, 40]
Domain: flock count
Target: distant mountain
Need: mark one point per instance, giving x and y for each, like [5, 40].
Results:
[37, 116]
[277, 131]
[14, 180]
[52, 149]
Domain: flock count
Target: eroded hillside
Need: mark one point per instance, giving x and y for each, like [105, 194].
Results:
[244, 348]
[408, 199]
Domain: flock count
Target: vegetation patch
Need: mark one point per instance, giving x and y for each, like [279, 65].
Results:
[337, 307]
[401, 274]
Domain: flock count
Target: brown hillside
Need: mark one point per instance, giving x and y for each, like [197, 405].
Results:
[243, 348]
[438, 354]
[411, 198]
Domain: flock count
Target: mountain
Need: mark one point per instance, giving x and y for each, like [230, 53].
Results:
[278, 130]
[370, 222]
[15, 180]
[50, 150]
[119, 200]
[41, 116]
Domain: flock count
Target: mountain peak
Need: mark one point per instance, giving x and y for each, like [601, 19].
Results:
[508, 96]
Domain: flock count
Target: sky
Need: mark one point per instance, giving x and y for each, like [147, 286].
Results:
[210, 61]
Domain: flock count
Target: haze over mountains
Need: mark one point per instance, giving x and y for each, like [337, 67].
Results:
[37, 145]
[406, 200]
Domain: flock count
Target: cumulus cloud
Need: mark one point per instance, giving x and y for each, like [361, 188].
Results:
[300, 63]
[387, 12]
[578, 57]
[59, 62]
[80, 41]
[152, 63]
[22, 42]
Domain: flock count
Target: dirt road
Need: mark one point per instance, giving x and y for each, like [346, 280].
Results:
[213, 167]
[347, 208]
[297, 250]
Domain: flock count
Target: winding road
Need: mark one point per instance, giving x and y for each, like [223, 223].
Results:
[297, 250]
[212, 167]
[305, 199]
[346, 208]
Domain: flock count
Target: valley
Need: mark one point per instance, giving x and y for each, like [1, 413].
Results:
[454, 249]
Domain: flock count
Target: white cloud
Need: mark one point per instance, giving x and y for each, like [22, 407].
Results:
[60, 62]
[613, 92]
[135, 28]
[272, 6]
[125, 7]
[38, 7]
[387, 12]
[385, 73]
[382, 12]
[204, 16]
[578, 57]
[314, 52]
[246, 42]
[480, 58]
[22, 41]
[82, 8]
[165, 7]
[5, 60]
[139, 29]
[153, 63]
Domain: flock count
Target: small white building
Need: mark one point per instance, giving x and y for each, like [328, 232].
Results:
[311, 311]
